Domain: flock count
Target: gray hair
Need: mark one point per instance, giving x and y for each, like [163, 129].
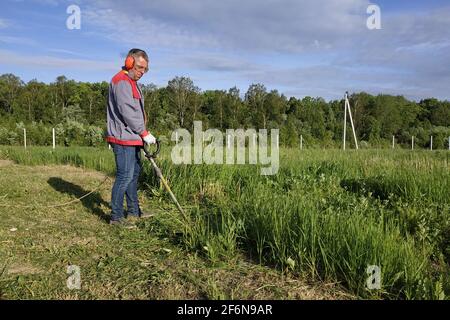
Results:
[138, 53]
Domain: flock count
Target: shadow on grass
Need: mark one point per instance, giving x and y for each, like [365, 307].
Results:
[91, 202]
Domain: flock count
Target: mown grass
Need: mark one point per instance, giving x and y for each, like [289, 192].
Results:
[38, 243]
[326, 215]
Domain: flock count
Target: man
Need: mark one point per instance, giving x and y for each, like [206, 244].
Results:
[126, 133]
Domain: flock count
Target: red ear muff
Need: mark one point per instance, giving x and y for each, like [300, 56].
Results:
[129, 63]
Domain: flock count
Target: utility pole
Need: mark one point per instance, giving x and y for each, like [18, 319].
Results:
[54, 138]
[347, 106]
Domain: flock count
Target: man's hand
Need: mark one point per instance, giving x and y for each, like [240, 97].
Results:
[149, 139]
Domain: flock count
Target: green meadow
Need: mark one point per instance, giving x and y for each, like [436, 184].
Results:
[325, 217]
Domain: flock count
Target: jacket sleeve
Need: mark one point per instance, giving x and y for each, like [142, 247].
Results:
[132, 116]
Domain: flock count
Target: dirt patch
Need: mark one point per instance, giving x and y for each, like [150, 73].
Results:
[6, 163]
[70, 171]
[23, 269]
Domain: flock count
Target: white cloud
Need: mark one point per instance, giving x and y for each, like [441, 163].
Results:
[143, 31]
[43, 61]
[4, 23]
[407, 56]
[290, 25]
[326, 42]
[17, 40]
[213, 62]
[65, 51]
[43, 2]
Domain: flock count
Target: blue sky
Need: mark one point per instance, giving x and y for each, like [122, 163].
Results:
[299, 47]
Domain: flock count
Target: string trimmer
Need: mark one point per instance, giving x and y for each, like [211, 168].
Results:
[151, 157]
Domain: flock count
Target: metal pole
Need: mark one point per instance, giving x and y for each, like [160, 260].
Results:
[345, 118]
[431, 143]
[25, 138]
[301, 142]
[412, 143]
[351, 121]
[166, 185]
[54, 138]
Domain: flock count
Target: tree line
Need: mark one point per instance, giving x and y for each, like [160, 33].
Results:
[78, 112]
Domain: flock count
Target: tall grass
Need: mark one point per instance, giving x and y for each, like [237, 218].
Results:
[326, 214]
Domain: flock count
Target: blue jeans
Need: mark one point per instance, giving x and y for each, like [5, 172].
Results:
[128, 167]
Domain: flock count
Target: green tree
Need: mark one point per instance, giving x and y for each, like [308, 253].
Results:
[181, 90]
[255, 98]
[10, 87]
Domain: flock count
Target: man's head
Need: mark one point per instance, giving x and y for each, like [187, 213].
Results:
[140, 65]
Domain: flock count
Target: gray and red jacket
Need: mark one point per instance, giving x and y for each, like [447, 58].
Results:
[126, 119]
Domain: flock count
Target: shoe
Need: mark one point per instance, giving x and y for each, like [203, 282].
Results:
[122, 223]
[145, 215]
